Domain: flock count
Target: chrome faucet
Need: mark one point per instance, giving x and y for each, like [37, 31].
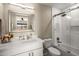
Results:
[20, 37]
[23, 38]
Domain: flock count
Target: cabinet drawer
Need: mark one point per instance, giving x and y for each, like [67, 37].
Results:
[38, 52]
[23, 54]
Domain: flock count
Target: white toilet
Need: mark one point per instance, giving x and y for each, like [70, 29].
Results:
[52, 51]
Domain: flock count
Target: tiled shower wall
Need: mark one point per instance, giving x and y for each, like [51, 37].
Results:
[68, 31]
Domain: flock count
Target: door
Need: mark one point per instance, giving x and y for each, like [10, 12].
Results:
[0, 26]
[62, 30]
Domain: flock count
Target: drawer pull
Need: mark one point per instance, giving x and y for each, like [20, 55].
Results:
[32, 54]
[29, 54]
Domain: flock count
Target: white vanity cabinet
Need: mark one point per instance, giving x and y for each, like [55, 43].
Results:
[32, 47]
[23, 54]
[37, 52]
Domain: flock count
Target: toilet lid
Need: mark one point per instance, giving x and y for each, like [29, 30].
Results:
[53, 50]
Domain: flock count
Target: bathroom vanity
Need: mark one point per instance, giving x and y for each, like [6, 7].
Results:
[32, 47]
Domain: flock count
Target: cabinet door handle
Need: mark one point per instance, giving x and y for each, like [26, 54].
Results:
[32, 54]
[29, 54]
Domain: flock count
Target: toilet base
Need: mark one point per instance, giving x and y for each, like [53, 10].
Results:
[53, 51]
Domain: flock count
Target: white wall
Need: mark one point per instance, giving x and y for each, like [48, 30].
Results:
[1, 17]
[4, 17]
[41, 20]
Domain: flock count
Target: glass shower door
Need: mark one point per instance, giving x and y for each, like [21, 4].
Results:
[62, 31]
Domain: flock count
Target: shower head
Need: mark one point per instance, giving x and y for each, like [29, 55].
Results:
[63, 15]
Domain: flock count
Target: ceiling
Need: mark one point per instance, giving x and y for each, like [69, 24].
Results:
[61, 6]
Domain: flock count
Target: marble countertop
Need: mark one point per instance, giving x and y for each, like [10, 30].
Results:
[13, 48]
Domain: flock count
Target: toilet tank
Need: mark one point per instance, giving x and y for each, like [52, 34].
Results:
[47, 43]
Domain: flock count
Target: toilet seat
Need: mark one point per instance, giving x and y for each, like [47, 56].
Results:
[54, 51]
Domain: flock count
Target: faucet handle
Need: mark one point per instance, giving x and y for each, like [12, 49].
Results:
[59, 42]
